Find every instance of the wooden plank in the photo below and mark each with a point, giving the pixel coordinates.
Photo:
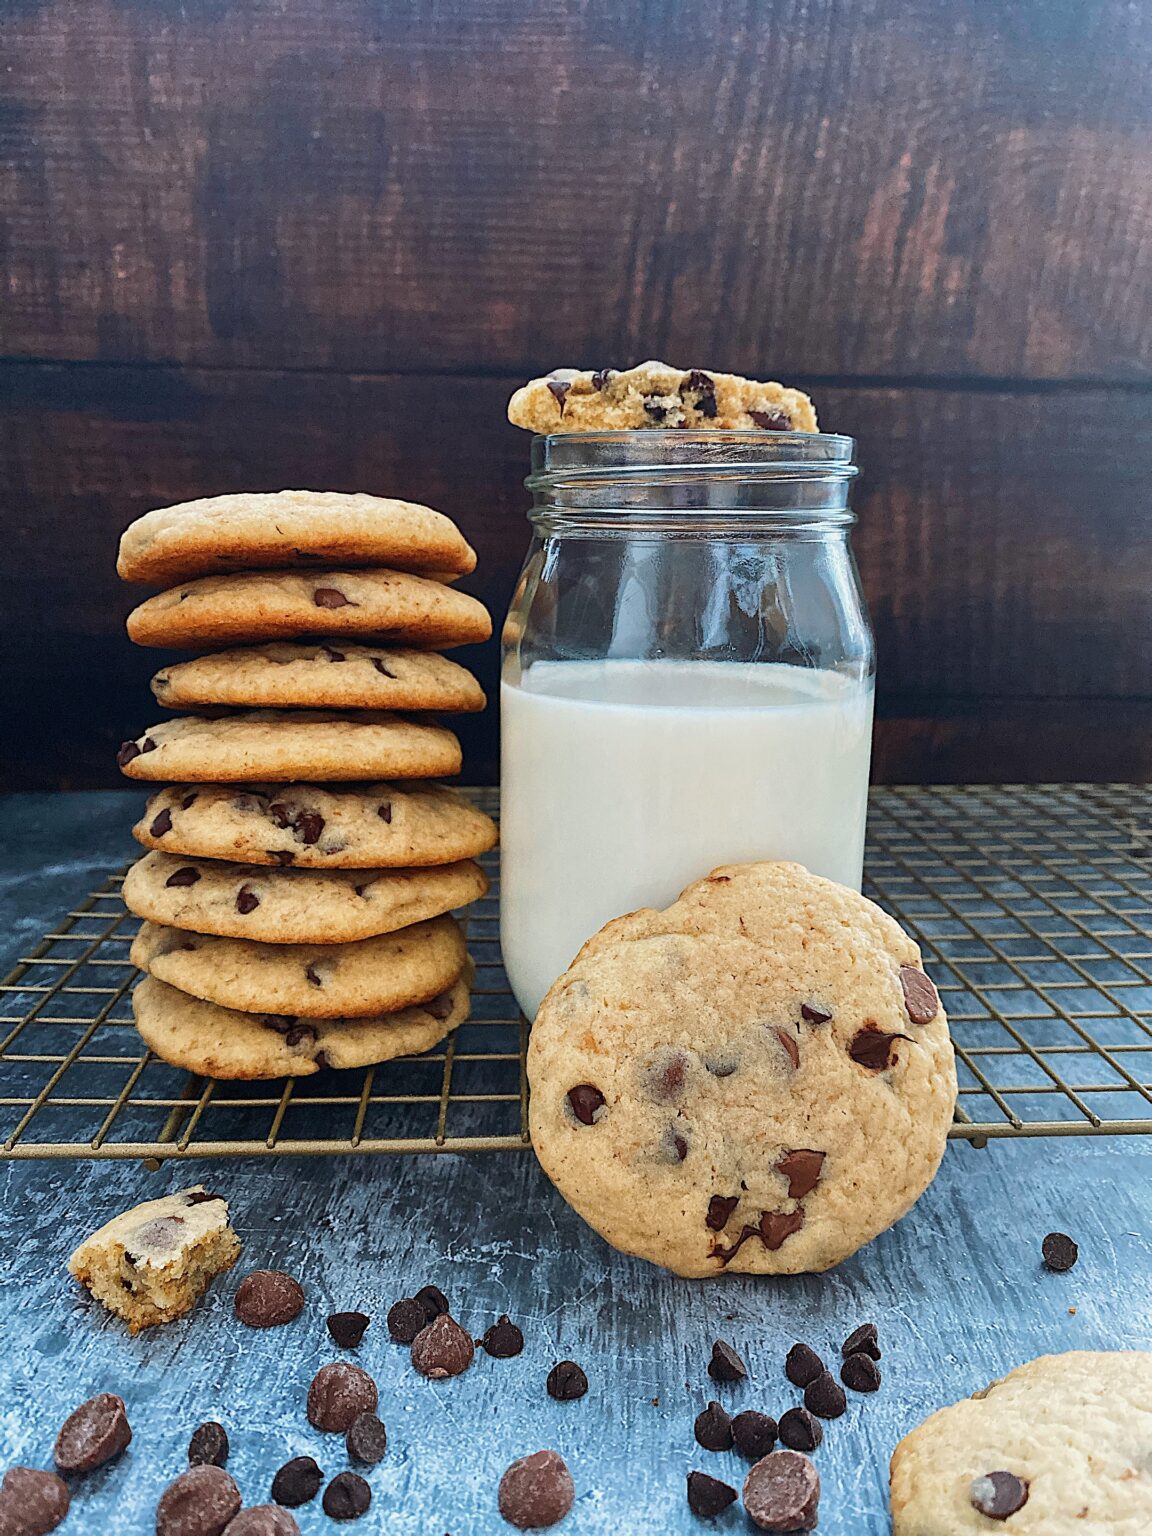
(882, 189)
(1003, 543)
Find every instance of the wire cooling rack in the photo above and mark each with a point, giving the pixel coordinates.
(1033, 905)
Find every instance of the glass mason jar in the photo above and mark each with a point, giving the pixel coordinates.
(687, 681)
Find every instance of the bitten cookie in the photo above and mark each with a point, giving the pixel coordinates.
(284, 744)
(271, 530)
(1058, 1447)
(317, 827)
(294, 906)
(759, 1078)
(655, 395)
(220, 1042)
(313, 981)
(287, 676)
(153, 1263)
(254, 606)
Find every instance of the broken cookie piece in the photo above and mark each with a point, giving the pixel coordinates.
(153, 1263)
(653, 395)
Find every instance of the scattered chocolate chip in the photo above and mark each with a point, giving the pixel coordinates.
(297, 1482)
(801, 1168)
(208, 1446)
(346, 1497)
(860, 1372)
(333, 655)
(586, 1101)
(861, 1341)
(825, 1397)
(799, 1431)
(782, 1493)
(162, 824)
(558, 389)
(997, 1495)
(339, 1393)
(180, 877)
(802, 1365)
(776, 1227)
(32, 1503)
(381, 668)
(772, 421)
(872, 1048)
(566, 1381)
(921, 1000)
(347, 1328)
(433, 1300)
(385, 812)
(601, 377)
(266, 1298)
(656, 407)
(367, 1439)
(503, 1339)
(200, 1502)
(405, 1319)
(246, 900)
(92, 1434)
(713, 1428)
(262, 1520)
(442, 1349)
(124, 755)
(720, 1208)
(788, 1040)
(536, 1491)
(812, 1015)
(708, 1496)
(331, 597)
(726, 1364)
(1059, 1251)
(754, 1433)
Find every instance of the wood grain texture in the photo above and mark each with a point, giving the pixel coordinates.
(883, 188)
(1003, 541)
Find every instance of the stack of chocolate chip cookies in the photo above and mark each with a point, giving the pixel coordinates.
(301, 866)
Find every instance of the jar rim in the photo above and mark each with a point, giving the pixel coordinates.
(570, 458)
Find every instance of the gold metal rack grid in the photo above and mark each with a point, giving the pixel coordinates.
(1033, 905)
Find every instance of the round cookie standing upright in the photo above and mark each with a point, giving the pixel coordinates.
(758, 1079)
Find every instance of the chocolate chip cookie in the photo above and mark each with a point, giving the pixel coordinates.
(1058, 1447)
(315, 826)
(285, 744)
(277, 529)
(251, 607)
(290, 906)
(655, 395)
(758, 1079)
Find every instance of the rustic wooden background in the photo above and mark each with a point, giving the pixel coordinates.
(267, 243)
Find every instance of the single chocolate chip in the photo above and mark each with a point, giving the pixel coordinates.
(124, 755)
(997, 1495)
(812, 1015)
(725, 1364)
(586, 1101)
(385, 812)
(347, 1328)
(162, 824)
(558, 389)
(322, 1061)
(679, 1146)
(788, 1040)
(310, 973)
(439, 1007)
(367, 1439)
(802, 1365)
(703, 385)
(782, 1493)
(921, 1001)
(333, 655)
(566, 1381)
(339, 1393)
(721, 1066)
(664, 1078)
(861, 1341)
(246, 900)
(208, 1446)
(381, 668)
(772, 421)
(754, 1433)
(720, 1208)
(799, 1431)
(32, 1503)
(200, 1502)
(299, 1033)
(297, 1482)
(308, 827)
(872, 1048)
(346, 1497)
(161, 1233)
(825, 1396)
(262, 1520)
(180, 877)
(189, 799)
(266, 1298)
(536, 1491)
(200, 1196)
(442, 1349)
(1059, 1251)
(433, 1300)
(777, 1226)
(601, 377)
(656, 407)
(860, 1372)
(713, 1428)
(331, 597)
(405, 1319)
(708, 1496)
(92, 1434)
(281, 855)
(801, 1168)
(503, 1339)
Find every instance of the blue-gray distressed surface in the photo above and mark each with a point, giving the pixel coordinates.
(956, 1289)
